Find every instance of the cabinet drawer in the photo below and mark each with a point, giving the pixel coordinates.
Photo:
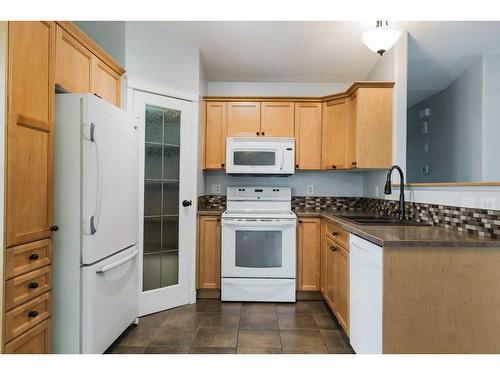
(25, 287)
(338, 234)
(25, 317)
(25, 258)
(35, 341)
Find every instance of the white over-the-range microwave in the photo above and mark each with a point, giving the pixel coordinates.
(260, 156)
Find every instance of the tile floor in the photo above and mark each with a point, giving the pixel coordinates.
(214, 327)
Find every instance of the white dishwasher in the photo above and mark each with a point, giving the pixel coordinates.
(365, 296)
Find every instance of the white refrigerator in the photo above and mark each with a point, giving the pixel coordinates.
(95, 266)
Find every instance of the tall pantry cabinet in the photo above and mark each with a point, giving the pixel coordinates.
(30, 95)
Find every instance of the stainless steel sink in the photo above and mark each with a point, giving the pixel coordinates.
(381, 220)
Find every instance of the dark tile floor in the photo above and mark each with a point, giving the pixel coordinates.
(214, 327)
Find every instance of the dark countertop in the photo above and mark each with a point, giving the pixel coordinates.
(396, 236)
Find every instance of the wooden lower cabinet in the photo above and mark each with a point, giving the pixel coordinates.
(34, 341)
(308, 254)
(335, 271)
(209, 249)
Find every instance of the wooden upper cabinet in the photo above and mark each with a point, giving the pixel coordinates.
(335, 136)
(277, 119)
(74, 63)
(371, 127)
(308, 135)
(215, 134)
(308, 254)
(29, 132)
(243, 119)
(82, 67)
(105, 82)
(209, 243)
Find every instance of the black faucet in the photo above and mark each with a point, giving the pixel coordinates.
(388, 190)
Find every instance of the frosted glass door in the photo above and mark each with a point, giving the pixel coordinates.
(166, 223)
(161, 197)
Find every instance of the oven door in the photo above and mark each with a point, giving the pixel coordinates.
(258, 248)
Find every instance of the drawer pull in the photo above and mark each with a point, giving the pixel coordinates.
(34, 256)
(33, 314)
(33, 285)
(335, 234)
(333, 248)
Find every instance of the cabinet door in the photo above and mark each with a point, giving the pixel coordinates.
(308, 262)
(35, 341)
(105, 82)
(215, 134)
(277, 119)
(373, 127)
(209, 252)
(335, 153)
(308, 135)
(331, 272)
(29, 131)
(353, 131)
(323, 263)
(343, 288)
(73, 63)
(243, 119)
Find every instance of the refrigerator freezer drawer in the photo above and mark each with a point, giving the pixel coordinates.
(109, 305)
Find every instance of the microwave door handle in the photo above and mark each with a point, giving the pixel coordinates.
(282, 158)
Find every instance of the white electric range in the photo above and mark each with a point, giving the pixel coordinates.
(258, 245)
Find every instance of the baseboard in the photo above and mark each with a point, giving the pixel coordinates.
(300, 295)
(309, 295)
(192, 296)
(208, 293)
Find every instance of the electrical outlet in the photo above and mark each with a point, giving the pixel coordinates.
(310, 189)
(488, 203)
(215, 188)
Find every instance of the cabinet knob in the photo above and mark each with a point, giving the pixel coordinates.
(333, 248)
(300, 221)
(335, 234)
(54, 228)
(34, 256)
(33, 314)
(334, 166)
(223, 165)
(263, 133)
(296, 165)
(33, 285)
(218, 219)
(258, 133)
(353, 163)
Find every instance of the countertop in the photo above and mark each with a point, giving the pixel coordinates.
(392, 236)
(386, 235)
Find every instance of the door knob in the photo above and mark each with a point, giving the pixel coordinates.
(186, 203)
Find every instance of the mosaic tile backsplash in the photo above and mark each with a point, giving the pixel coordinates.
(476, 221)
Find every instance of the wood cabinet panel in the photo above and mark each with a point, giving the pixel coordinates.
(339, 235)
(29, 132)
(331, 268)
(335, 135)
(73, 63)
(308, 254)
(25, 287)
(343, 288)
(215, 134)
(308, 135)
(243, 119)
(277, 119)
(371, 128)
(209, 243)
(105, 82)
(26, 316)
(25, 258)
(34, 341)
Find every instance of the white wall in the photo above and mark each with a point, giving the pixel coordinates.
(276, 88)
(491, 118)
(454, 132)
(203, 89)
(325, 183)
(109, 35)
(153, 54)
(454, 196)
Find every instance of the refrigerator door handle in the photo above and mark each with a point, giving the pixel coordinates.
(94, 219)
(109, 267)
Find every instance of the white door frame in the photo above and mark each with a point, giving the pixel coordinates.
(138, 87)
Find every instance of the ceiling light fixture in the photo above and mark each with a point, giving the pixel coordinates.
(381, 38)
